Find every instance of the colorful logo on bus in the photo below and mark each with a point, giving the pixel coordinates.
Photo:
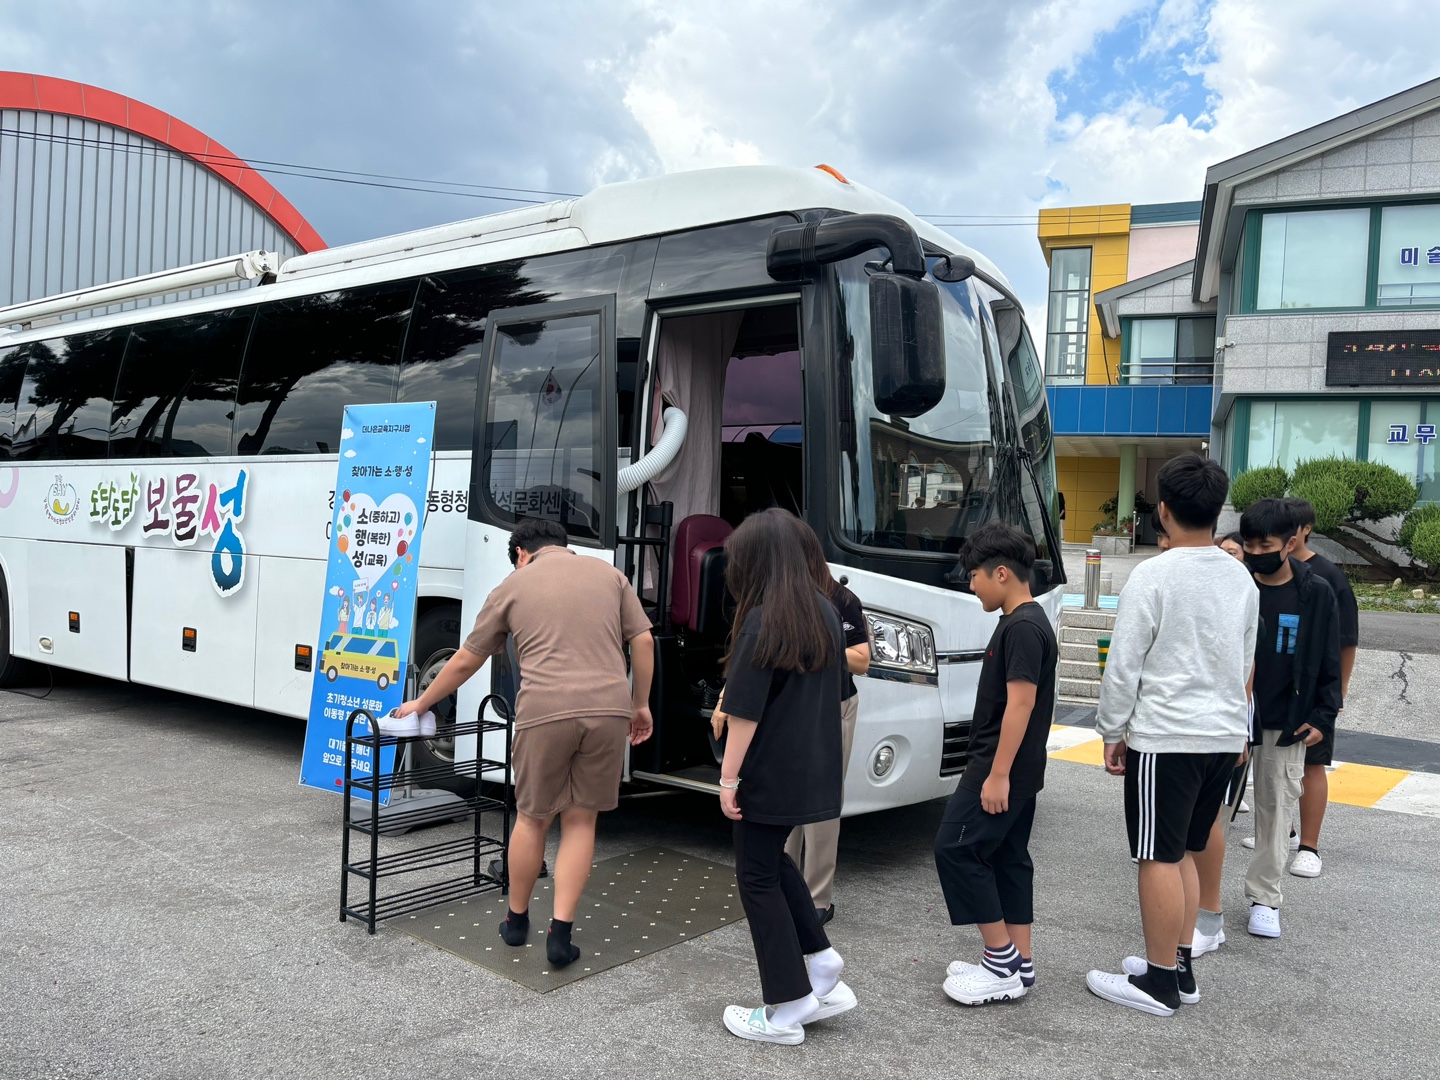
(185, 507)
(61, 502)
(9, 486)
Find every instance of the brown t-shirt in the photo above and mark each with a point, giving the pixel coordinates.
(571, 616)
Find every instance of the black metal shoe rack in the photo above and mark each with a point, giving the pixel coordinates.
(477, 849)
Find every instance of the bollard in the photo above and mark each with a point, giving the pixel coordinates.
(1102, 646)
(1092, 580)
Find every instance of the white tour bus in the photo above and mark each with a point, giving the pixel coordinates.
(646, 365)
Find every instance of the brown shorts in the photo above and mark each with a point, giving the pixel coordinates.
(572, 762)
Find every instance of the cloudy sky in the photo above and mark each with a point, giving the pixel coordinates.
(988, 108)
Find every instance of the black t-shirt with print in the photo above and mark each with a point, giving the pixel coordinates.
(1275, 653)
(1022, 649)
(852, 624)
(793, 773)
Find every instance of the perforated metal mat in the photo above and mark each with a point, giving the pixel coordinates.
(634, 905)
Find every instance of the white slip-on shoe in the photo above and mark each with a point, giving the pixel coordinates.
(1138, 965)
(1244, 807)
(1203, 943)
(1264, 921)
(959, 967)
(840, 1000)
(1249, 842)
(755, 1025)
(390, 724)
(1306, 864)
(1119, 989)
(978, 985)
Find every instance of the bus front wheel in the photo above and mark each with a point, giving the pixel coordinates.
(437, 637)
(13, 670)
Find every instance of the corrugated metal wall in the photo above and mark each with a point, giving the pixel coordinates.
(83, 203)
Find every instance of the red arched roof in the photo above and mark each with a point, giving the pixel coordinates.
(45, 94)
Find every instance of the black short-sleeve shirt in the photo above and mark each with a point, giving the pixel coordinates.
(852, 624)
(1346, 605)
(793, 773)
(1022, 649)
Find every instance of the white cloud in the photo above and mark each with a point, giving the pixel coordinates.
(346, 433)
(349, 453)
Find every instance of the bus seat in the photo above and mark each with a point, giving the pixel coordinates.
(695, 537)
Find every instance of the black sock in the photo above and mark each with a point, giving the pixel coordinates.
(1184, 973)
(1161, 984)
(557, 944)
(1307, 847)
(516, 927)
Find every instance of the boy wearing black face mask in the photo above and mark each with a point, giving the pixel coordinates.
(1297, 693)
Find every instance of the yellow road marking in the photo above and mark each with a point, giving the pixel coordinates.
(1086, 753)
(1362, 785)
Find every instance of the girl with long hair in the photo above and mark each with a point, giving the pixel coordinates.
(814, 847)
(782, 768)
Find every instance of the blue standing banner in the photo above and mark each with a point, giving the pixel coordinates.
(368, 617)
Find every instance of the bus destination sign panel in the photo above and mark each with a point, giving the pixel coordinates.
(1383, 358)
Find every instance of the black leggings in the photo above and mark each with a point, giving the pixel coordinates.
(784, 924)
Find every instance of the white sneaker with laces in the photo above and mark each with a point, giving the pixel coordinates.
(1306, 864)
(1118, 988)
(1249, 842)
(840, 1000)
(1138, 965)
(390, 724)
(975, 984)
(1264, 921)
(755, 1025)
(1203, 943)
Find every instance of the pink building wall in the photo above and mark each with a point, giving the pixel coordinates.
(1158, 247)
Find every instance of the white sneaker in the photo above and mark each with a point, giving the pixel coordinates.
(1138, 965)
(1249, 842)
(975, 984)
(390, 724)
(427, 725)
(837, 1001)
(1264, 921)
(1119, 989)
(1203, 943)
(755, 1025)
(1306, 864)
(1244, 808)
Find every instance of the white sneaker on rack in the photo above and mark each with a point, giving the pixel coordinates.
(390, 724)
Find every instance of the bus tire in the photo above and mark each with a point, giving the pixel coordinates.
(437, 637)
(13, 670)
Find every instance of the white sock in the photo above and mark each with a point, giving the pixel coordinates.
(825, 968)
(794, 1013)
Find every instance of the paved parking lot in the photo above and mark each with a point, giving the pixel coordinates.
(168, 900)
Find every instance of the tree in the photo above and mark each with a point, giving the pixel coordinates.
(1351, 500)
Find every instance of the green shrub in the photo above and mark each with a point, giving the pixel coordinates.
(1331, 496)
(1376, 490)
(1252, 485)
(1413, 520)
(1425, 542)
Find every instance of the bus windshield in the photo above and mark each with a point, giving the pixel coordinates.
(920, 484)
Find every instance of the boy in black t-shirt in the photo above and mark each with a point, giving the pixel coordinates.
(981, 848)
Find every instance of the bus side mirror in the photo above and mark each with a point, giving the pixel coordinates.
(907, 344)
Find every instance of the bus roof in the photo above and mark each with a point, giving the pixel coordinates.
(609, 214)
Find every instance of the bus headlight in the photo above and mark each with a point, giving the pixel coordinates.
(883, 761)
(898, 645)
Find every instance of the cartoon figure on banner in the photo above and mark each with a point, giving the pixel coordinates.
(382, 620)
(342, 612)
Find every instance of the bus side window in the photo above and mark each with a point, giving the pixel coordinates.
(64, 406)
(176, 393)
(544, 441)
(310, 357)
(12, 374)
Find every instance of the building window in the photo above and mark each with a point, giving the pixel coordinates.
(1313, 259)
(1286, 433)
(1069, 317)
(1166, 352)
(1409, 264)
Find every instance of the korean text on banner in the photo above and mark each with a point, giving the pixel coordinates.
(369, 605)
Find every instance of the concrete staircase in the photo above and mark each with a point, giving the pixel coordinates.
(1079, 673)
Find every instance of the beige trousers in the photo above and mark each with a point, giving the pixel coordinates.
(1279, 773)
(813, 847)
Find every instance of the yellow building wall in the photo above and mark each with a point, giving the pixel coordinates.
(1086, 483)
(1106, 231)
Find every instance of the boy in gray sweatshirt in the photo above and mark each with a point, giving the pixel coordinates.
(1172, 714)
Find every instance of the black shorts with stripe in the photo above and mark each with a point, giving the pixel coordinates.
(1171, 801)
